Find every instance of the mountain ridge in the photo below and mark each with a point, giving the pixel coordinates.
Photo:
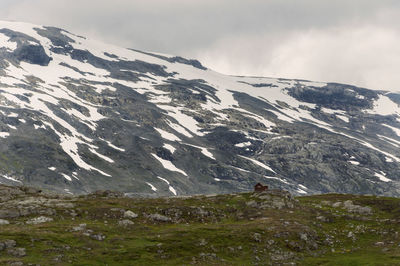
(80, 115)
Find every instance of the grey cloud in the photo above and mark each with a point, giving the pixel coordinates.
(310, 39)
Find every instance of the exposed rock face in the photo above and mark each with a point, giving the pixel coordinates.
(351, 207)
(77, 116)
(33, 54)
(276, 199)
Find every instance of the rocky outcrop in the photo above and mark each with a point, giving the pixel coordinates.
(276, 199)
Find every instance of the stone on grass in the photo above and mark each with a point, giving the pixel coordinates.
(17, 252)
(130, 215)
(125, 223)
(40, 220)
(98, 237)
(4, 222)
(159, 218)
(9, 243)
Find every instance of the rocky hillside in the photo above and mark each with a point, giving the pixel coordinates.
(78, 115)
(268, 228)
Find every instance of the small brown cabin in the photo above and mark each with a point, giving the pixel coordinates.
(260, 188)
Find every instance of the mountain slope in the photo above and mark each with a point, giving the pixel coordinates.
(79, 115)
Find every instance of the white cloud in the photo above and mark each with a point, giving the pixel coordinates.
(363, 55)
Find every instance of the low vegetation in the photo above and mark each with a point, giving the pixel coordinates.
(268, 228)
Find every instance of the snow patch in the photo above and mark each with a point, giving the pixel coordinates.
(11, 179)
(67, 177)
(179, 129)
(183, 119)
(168, 165)
(204, 151)
(277, 178)
(4, 134)
(384, 106)
(258, 163)
(173, 191)
(105, 158)
(302, 186)
(243, 144)
(169, 147)
(301, 191)
(395, 129)
(6, 43)
(113, 146)
(388, 160)
(151, 186)
(382, 177)
(166, 135)
(344, 118)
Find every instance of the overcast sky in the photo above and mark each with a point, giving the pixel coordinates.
(348, 41)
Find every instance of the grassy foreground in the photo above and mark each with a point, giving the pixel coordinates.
(270, 228)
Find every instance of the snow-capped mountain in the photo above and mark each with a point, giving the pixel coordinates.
(79, 115)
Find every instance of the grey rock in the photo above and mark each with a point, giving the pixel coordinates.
(278, 203)
(303, 236)
(326, 202)
(348, 204)
(256, 237)
(39, 220)
(264, 197)
(159, 218)
(4, 222)
(9, 243)
(64, 205)
(337, 204)
(203, 242)
(351, 207)
(130, 215)
(117, 210)
(16, 263)
(17, 252)
(9, 213)
(78, 228)
(125, 223)
(252, 204)
(108, 194)
(98, 237)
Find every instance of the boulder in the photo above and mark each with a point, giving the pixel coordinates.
(125, 223)
(130, 215)
(159, 218)
(4, 222)
(9, 243)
